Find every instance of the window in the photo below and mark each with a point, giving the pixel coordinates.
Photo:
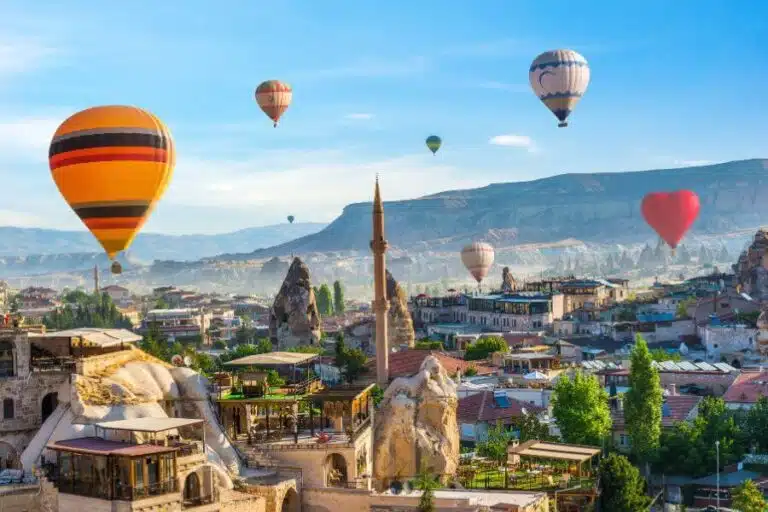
(624, 440)
(8, 409)
(7, 366)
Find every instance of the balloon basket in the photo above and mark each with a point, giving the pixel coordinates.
(116, 268)
(562, 125)
(274, 125)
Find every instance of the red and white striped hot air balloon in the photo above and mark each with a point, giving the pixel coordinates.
(274, 97)
(478, 258)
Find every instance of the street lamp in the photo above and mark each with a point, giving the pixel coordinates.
(717, 451)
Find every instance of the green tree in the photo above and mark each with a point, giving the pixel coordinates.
(264, 346)
(747, 497)
(643, 402)
(219, 344)
(274, 379)
(484, 347)
(427, 484)
(756, 426)
(86, 310)
(580, 407)
(377, 394)
(161, 304)
(338, 298)
(621, 486)
(306, 349)
(324, 301)
(532, 429)
(494, 446)
(354, 364)
(471, 371)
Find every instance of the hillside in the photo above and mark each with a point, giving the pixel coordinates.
(598, 208)
(20, 244)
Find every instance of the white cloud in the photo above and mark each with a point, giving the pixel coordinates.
(19, 219)
(26, 138)
(514, 141)
(359, 116)
(693, 163)
(310, 184)
(22, 56)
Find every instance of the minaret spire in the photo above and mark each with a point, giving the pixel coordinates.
(380, 303)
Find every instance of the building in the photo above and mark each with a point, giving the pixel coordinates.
(734, 342)
(224, 326)
(479, 412)
(176, 324)
(707, 378)
(520, 311)
(747, 389)
(119, 295)
(407, 362)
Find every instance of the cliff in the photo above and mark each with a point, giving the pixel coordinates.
(751, 269)
(589, 207)
(294, 319)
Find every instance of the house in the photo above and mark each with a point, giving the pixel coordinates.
(479, 412)
(118, 294)
(675, 409)
(407, 362)
(747, 389)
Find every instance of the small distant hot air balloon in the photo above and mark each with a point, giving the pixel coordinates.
(478, 258)
(559, 78)
(291, 218)
(671, 214)
(112, 164)
(433, 143)
(274, 98)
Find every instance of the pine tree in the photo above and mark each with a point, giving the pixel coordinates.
(643, 402)
(324, 301)
(338, 298)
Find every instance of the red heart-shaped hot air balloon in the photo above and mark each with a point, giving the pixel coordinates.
(671, 213)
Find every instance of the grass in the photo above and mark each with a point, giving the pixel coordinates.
(494, 479)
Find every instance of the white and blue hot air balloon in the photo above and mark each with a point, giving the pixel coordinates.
(559, 78)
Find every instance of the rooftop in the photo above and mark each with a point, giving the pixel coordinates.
(149, 424)
(688, 366)
(482, 407)
(273, 359)
(748, 387)
(676, 408)
(97, 336)
(407, 362)
(572, 452)
(99, 446)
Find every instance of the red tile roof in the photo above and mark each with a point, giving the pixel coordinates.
(677, 409)
(407, 362)
(747, 388)
(481, 407)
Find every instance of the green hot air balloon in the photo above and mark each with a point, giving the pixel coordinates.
(291, 218)
(433, 143)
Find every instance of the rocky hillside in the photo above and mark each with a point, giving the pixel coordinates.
(21, 243)
(589, 207)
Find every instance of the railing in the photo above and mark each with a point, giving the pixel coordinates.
(131, 493)
(187, 449)
(53, 364)
(199, 501)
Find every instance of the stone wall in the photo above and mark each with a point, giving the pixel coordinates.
(335, 500)
(29, 498)
(28, 394)
(280, 497)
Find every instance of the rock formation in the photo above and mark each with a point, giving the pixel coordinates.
(400, 321)
(294, 319)
(508, 283)
(416, 427)
(752, 267)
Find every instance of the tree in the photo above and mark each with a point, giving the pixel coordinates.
(274, 379)
(161, 304)
(747, 497)
(580, 407)
(495, 445)
(427, 483)
(621, 486)
(219, 344)
(643, 402)
(338, 298)
(484, 347)
(264, 346)
(756, 425)
(659, 355)
(532, 429)
(87, 310)
(354, 364)
(324, 301)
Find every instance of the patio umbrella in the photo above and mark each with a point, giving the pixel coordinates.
(537, 375)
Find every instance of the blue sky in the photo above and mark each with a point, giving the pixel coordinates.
(674, 83)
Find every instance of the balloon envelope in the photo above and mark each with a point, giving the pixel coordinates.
(274, 97)
(478, 258)
(433, 143)
(112, 164)
(291, 218)
(671, 214)
(559, 78)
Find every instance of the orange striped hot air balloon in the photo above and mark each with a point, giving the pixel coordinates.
(112, 164)
(274, 97)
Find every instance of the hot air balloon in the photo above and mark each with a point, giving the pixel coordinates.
(291, 218)
(478, 258)
(112, 164)
(559, 78)
(433, 143)
(671, 214)
(274, 97)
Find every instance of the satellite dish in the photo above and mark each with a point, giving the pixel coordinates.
(187, 361)
(177, 360)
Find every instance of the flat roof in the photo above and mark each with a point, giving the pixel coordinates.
(341, 392)
(99, 446)
(96, 336)
(149, 424)
(272, 359)
(559, 451)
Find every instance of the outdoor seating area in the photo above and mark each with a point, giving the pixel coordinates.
(272, 375)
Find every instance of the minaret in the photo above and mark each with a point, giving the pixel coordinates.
(96, 279)
(380, 302)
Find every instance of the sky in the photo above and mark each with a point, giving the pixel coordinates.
(674, 84)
